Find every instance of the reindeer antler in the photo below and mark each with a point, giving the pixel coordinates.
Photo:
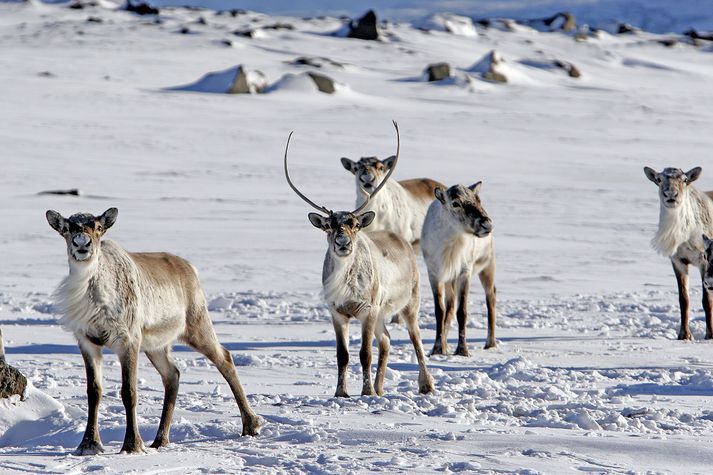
(386, 178)
(294, 188)
(368, 197)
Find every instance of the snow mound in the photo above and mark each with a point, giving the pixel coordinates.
(235, 80)
(38, 420)
(494, 68)
(307, 83)
(450, 23)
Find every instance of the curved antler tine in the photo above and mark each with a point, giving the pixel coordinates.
(294, 188)
(388, 175)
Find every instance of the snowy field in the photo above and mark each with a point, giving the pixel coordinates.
(588, 375)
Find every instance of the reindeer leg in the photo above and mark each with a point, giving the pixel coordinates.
(707, 307)
(91, 443)
(487, 280)
(410, 316)
(129, 360)
(384, 341)
(162, 361)
(463, 286)
(440, 345)
(341, 329)
(367, 336)
(680, 269)
(201, 336)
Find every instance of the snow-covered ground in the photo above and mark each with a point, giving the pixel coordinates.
(588, 375)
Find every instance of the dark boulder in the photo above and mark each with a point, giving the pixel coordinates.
(364, 28)
(324, 83)
(12, 382)
(438, 71)
(140, 8)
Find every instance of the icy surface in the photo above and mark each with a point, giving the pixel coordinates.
(588, 375)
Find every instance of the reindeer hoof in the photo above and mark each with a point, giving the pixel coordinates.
(368, 392)
(462, 351)
(341, 393)
(425, 385)
(133, 447)
(252, 427)
(438, 350)
(685, 335)
(709, 336)
(158, 443)
(490, 344)
(90, 447)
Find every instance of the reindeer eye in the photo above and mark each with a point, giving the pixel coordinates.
(455, 204)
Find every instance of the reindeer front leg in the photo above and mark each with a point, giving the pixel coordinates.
(440, 345)
(463, 286)
(129, 359)
(91, 443)
(367, 337)
(487, 279)
(707, 307)
(680, 269)
(341, 329)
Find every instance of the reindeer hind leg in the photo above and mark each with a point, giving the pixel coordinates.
(162, 361)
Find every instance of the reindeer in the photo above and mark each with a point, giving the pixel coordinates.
(367, 276)
(456, 241)
(401, 205)
(132, 302)
(684, 215)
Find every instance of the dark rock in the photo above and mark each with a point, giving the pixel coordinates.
(278, 26)
(316, 62)
(324, 84)
(484, 22)
(12, 382)
(184, 30)
(364, 28)
(247, 84)
(249, 33)
(668, 42)
(438, 71)
(45, 74)
(487, 67)
(562, 21)
(69, 192)
(626, 29)
(140, 8)
(201, 21)
(570, 68)
(693, 34)
(94, 19)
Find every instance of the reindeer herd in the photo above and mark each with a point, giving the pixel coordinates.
(144, 302)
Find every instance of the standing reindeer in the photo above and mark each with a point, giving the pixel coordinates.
(400, 206)
(367, 277)
(684, 215)
(132, 302)
(456, 241)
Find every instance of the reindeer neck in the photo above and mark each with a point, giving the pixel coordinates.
(348, 281)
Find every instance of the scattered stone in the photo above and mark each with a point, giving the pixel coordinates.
(364, 28)
(438, 71)
(562, 21)
(626, 29)
(201, 21)
(324, 84)
(45, 74)
(140, 8)
(249, 33)
(226, 42)
(454, 24)
(488, 67)
(668, 42)
(94, 19)
(694, 35)
(248, 82)
(316, 62)
(184, 30)
(69, 192)
(278, 26)
(570, 68)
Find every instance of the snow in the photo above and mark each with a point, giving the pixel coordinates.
(587, 376)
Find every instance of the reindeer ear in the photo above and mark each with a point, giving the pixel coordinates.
(365, 219)
(707, 241)
(389, 162)
(56, 221)
(476, 187)
(318, 221)
(693, 174)
(440, 194)
(350, 165)
(652, 175)
(108, 218)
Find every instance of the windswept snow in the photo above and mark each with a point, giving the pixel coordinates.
(588, 375)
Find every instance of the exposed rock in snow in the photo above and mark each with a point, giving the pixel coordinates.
(364, 28)
(562, 21)
(306, 82)
(571, 70)
(317, 62)
(437, 71)
(448, 22)
(490, 67)
(140, 8)
(236, 80)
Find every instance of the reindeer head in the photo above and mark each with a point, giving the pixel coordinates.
(82, 231)
(369, 171)
(463, 203)
(342, 226)
(672, 183)
(708, 275)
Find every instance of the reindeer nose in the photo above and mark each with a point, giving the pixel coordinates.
(81, 240)
(670, 194)
(487, 225)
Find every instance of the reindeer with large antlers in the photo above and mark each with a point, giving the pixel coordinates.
(368, 277)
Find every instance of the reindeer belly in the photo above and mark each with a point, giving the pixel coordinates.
(162, 326)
